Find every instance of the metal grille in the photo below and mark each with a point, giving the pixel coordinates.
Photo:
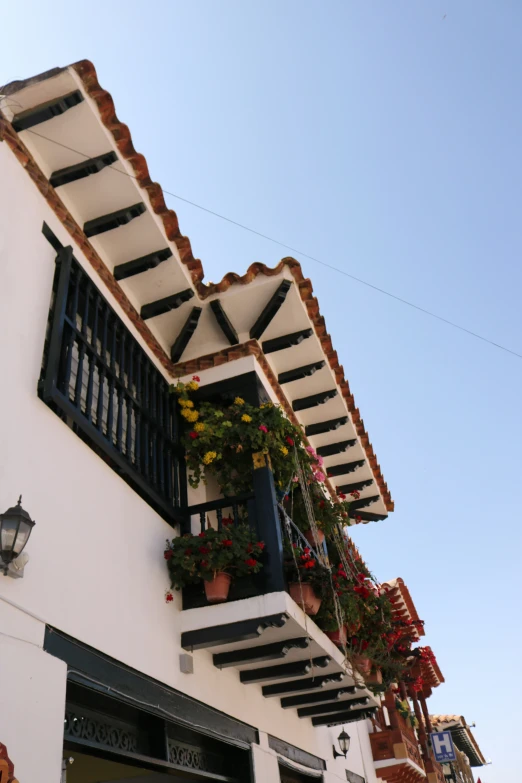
(102, 382)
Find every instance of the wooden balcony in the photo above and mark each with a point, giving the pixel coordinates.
(434, 771)
(397, 757)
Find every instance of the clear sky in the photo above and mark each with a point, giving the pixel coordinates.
(383, 137)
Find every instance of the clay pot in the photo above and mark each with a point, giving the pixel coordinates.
(217, 589)
(304, 596)
(338, 637)
(363, 665)
(309, 535)
(374, 678)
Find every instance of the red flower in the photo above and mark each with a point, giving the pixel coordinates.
(169, 597)
(341, 496)
(355, 494)
(309, 564)
(289, 440)
(203, 564)
(227, 542)
(251, 562)
(358, 518)
(361, 578)
(167, 554)
(307, 550)
(321, 504)
(364, 645)
(188, 551)
(263, 428)
(202, 535)
(193, 435)
(260, 544)
(196, 378)
(204, 550)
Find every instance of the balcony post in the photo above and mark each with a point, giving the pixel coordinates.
(423, 740)
(268, 523)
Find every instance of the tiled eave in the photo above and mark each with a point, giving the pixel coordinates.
(404, 608)
(115, 247)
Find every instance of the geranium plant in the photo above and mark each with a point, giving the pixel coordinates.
(233, 550)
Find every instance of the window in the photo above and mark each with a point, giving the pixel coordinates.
(100, 381)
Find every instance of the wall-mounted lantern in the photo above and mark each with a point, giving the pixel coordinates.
(344, 745)
(15, 529)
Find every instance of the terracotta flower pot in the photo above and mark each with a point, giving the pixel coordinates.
(304, 596)
(309, 535)
(217, 589)
(338, 637)
(363, 665)
(374, 678)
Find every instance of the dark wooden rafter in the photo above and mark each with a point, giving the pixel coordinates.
(46, 111)
(367, 516)
(314, 698)
(165, 305)
(183, 338)
(300, 372)
(113, 220)
(270, 310)
(284, 670)
(344, 468)
(325, 426)
(335, 706)
(224, 322)
(356, 505)
(142, 264)
(83, 169)
(343, 717)
(357, 486)
(265, 652)
(303, 403)
(306, 684)
(336, 448)
(286, 341)
(230, 633)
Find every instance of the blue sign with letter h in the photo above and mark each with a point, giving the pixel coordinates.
(442, 745)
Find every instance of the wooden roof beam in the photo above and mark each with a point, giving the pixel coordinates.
(142, 264)
(46, 111)
(113, 220)
(335, 706)
(270, 310)
(82, 170)
(306, 684)
(344, 468)
(285, 670)
(303, 403)
(224, 322)
(286, 341)
(306, 371)
(325, 426)
(183, 338)
(313, 698)
(165, 305)
(336, 448)
(264, 652)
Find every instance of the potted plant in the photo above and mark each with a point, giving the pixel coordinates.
(214, 557)
(306, 578)
(331, 621)
(220, 439)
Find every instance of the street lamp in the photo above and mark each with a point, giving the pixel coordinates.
(15, 529)
(344, 744)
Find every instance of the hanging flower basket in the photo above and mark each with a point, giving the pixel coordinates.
(338, 637)
(314, 542)
(216, 589)
(304, 595)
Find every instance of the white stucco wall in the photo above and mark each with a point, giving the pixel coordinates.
(96, 570)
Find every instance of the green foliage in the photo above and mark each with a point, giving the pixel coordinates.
(233, 550)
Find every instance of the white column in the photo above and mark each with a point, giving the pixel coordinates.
(32, 698)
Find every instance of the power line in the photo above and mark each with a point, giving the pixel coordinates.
(303, 254)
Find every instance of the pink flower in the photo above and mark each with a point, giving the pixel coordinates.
(319, 476)
(320, 461)
(263, 428)
(311, 451)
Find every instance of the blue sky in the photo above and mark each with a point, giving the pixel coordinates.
(384, 139)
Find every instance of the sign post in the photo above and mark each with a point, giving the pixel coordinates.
(442, 745)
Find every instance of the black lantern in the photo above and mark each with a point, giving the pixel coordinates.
(15, 529)
(344, 744)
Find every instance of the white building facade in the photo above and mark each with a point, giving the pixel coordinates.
(94, 664)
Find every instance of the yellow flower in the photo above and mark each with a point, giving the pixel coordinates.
(192, 386)
(186, 403)
(209, 457)
(284, 451)
(190, 415)
(199, 427)
(239, 401)
(246, 417)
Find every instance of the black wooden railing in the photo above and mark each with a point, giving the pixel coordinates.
(240, 506)
(99, 379)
